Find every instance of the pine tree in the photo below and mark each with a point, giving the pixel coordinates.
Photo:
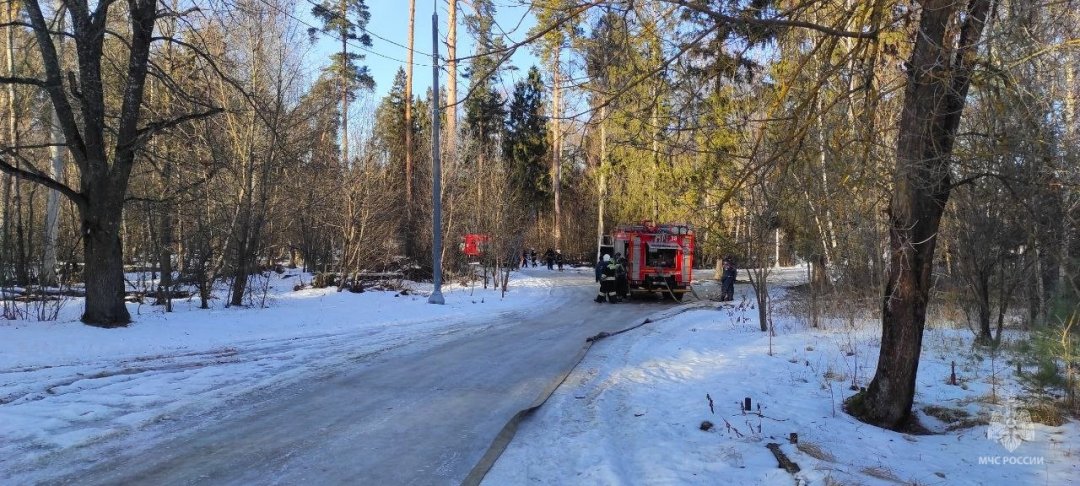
(525, 146)
(557, 14)
(484, 110)
(347, 21)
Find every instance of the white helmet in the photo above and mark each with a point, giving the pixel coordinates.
(607, 258)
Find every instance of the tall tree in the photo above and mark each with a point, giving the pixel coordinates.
(484, 111)
(56, 171)
(409, 123)
(552, 21)
(603, 53)
(13, 140)
(525, 146)
(101, 140)
(939, 75)
(451, 141)
(252, 134)
(346, 21)
(388, 148)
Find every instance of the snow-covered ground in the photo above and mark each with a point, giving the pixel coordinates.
(632, 411)
(629, 414)
(64, 385)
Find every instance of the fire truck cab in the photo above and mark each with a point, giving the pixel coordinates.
(474, 245)
(659, 257)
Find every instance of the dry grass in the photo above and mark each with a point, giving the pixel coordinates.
(946, 414)
(955, 418)
(881, 473)
(815, 451)
(833, 375)
(1046, 413)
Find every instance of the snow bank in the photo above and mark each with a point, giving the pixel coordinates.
(632, 412)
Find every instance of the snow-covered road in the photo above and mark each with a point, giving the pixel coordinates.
(419, 409)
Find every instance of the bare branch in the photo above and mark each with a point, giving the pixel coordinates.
(975, 177)
(38, 177)
(54, 84)
(152, 128)
(20, 80)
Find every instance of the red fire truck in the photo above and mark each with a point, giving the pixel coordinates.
(473, 245)
(659, 257)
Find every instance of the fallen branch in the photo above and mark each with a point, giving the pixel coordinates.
(782, 459)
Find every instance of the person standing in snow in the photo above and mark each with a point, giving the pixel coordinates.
(524, 258)
(559, 259)
(613, 270)
(607, 281)
(727, 280)
(549, 256)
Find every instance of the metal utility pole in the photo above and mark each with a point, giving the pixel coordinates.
(436, 169)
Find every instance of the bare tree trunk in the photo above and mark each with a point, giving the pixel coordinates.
(164, 296)
(104, 272)
(777, 240)
(52, 204)
(602, 182)
(982, 297)
(556, 145)
(1040, 285)
(939, 75)
(655, 121)
(828, 235)
(409, 124)
(345, 98)
(759, 279)
(165, 240)
(451, 87)
(19, 258)
(1069, 119)
(9, 182)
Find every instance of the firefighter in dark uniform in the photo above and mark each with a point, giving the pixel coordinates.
(607, 281)
(727, 281)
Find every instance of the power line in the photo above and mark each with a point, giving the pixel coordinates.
(384, 39)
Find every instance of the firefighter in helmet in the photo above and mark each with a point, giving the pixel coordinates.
(622, 286)
(607, 281)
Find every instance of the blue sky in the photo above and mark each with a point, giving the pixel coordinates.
(389, 27)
